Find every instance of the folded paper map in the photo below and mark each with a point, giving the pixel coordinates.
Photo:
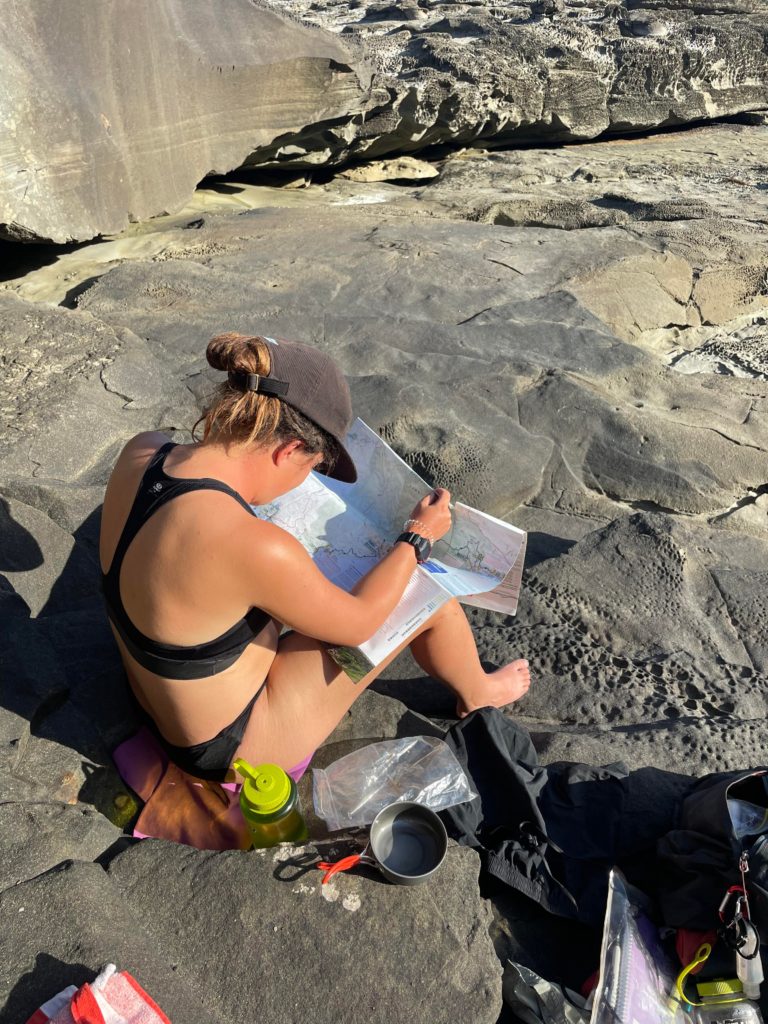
(348, 528)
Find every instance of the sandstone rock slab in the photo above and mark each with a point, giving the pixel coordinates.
(50, 353)
(543, 71)
(641, 438)
(67, 924)
(638, 646)
(690, 748)
(488, 355)
(93, 142)
(338, 81)
(427, 946)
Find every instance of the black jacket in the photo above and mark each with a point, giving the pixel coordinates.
(550, 832)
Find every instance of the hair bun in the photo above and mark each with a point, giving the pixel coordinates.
(242, 353)
(229, 351)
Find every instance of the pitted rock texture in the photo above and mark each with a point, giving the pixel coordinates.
(543, 70)
(747, 357)
(189, 89)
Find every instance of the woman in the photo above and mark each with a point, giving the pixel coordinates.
(184, 558)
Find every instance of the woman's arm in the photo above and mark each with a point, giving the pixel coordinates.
(293, 590)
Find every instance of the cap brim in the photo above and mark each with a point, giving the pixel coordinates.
(344, 469)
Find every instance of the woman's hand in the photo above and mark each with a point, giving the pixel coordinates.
(431, 518)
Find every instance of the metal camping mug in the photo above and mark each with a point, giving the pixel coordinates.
(407, 844)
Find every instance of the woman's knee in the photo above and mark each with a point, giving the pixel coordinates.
(448, 610)
(445, 613)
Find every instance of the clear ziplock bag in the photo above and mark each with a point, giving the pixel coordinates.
(351, 791)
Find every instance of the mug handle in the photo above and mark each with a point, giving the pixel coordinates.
(341, 865)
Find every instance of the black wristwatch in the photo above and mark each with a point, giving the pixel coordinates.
(421, 545)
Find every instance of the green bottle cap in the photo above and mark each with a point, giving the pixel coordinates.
(266, 788)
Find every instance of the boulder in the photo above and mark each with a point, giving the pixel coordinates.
(96, 142)
(115, 118)
(402, 168)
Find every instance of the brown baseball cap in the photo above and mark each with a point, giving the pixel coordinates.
(311, 382)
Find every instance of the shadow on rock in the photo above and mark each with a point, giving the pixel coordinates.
(65, 699)
(71, 296)
(19, 551)
(294, 866)
(48, 977)
(19, 258)
(78, 583)
(542, 546)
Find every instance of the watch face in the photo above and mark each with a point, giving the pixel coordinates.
(424, 549)
(420, 544)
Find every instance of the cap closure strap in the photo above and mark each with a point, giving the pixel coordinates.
(255, 382)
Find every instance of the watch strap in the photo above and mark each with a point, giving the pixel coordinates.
(420, 544)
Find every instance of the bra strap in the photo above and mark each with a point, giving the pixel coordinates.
(157, 488)
(141, 509)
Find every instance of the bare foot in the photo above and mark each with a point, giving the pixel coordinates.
(503, 686)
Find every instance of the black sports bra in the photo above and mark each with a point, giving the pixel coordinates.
(170, 660)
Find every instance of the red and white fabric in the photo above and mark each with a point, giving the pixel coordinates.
(113, 998)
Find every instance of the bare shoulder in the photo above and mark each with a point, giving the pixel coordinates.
(269, 550)
(142, 445)
(121, 488)
(271, 543)
(136, 453)
(260, 553)
(131, 463)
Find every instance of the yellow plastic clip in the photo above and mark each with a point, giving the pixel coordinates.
(702, 955)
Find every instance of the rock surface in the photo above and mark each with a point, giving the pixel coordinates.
(572, 338)
(265, 936)
(402, 168)
(543, 70)
(310, 83)
(115, 118)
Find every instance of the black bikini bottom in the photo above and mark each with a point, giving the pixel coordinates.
(213, 758)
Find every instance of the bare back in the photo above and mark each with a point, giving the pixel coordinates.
(183, 581)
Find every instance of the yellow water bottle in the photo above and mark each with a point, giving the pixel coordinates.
(269, 801)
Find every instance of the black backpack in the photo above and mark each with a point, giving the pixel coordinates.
(721, 844)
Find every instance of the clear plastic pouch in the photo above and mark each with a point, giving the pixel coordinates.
(351, 791)
(738, 1013)
(637, 977)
